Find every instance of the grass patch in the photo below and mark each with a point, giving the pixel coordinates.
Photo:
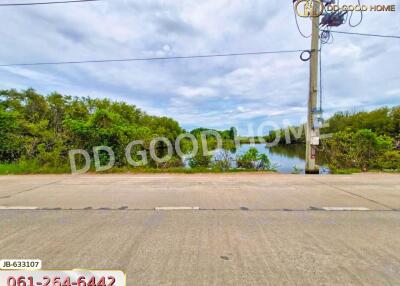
(350, 171)
(27, 167)
(32, 167)
(347, 171)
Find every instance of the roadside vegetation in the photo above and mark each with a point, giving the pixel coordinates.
(37, 132)
(361, 141)
(362, 150)
(225, 161)
(365, 140)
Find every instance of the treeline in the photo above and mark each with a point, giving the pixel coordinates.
(225, 134)
(382, 121)
(42, 130)
(364, 140)
(38, 131)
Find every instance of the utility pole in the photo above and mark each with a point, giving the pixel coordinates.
(312, 130)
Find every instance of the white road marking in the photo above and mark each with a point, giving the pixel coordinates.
(345, 209)
(125, 178)
(17, 208)
(176, 208)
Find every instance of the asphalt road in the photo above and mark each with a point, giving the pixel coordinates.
(242, 229)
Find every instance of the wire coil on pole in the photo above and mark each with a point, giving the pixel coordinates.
(302, 56)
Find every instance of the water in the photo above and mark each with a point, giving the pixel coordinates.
(283, 161)
(284, 158)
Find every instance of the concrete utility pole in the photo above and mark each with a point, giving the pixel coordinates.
(312, 131)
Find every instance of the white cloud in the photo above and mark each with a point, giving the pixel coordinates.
(393, 92)
(218, 92)
(196, 92)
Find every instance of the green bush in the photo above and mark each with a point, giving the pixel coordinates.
(362, 149)
(389, 160)
(200, 161)
(174, 162)
(252, 159)
(43, 129)
(223, 161)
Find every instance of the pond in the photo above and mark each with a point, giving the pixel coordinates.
(284, 158)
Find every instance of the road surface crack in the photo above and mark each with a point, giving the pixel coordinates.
(356, 195)
(28, 190)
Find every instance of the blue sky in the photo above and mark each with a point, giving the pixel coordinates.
(359, 73)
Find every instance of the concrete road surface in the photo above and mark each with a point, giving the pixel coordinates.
(233, 229)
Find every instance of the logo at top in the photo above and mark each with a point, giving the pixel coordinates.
(309, 8)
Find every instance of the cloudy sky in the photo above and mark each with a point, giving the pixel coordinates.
(358, 72)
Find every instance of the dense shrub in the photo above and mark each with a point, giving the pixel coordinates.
(223, 161)
(382, 121)
(389, 160)
(252, 159)
(362, 149)
(174, 162)
(45, 128)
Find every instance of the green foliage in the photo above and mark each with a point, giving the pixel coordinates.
(252, 159)
(362, 149)
(200, 160)
(382, 121)
(263, 162)
(174, 162)
(43, 129)
(361, 140)
(232, 133)
(254, 140)
(223, 161)
(347, 171)
(389, 160)
(36, 133)
(248, 159)
(297, 170)
(9, 131)
(225, 134)
(31, 167)
(364, 140)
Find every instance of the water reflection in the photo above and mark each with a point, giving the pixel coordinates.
(286, 158)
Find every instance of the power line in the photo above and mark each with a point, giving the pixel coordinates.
(364, 34)
(153, 58)
(46, 3)
(361, 17)
(297, 23)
